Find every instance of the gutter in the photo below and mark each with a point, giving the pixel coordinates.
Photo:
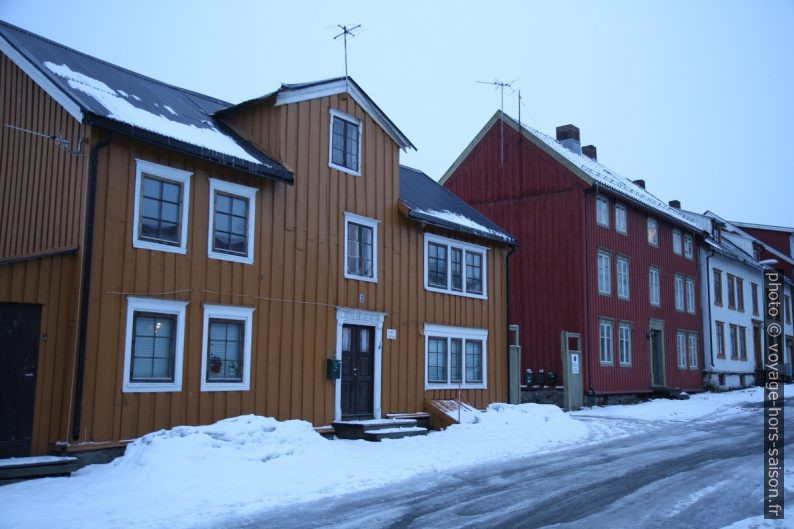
(708, 300)
(85, 283)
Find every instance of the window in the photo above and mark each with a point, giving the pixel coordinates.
(361, 248)
(161, 207)
(605, 341)
(742, 343)
(740, 294)
(455, 356)
(690, 295)
(678, 283)
(602, 211)
(720, 339)
(653, 232)
(226, 348)
(680, 342)
(731, 292)
(232, 218)
(754, 293)
(693, 350)
(717, 287)
(624, 343)
(653, 286)
(623, 277)
(677, 242)
(621, 219)
(734, 342)
(787, 308)
(454, 267)
(153, 345)
(604, 273)
(345, 144)
(688, 249)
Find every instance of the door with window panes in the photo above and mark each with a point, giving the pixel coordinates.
(358, 362)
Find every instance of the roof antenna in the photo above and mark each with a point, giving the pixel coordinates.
(346, 30)
(500, 85)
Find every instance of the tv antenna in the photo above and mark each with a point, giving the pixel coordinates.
(501, 85)
(347, 31)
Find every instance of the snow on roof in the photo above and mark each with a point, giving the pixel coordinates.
(461, 220)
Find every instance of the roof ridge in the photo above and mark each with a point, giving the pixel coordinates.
(112, 65)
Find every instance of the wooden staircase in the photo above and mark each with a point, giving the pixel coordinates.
(22, 468)
(377, 429)
(445, 412)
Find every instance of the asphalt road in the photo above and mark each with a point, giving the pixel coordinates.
(699, 474)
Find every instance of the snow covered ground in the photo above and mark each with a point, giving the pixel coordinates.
(190, 475)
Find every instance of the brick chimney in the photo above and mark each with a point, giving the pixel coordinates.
(590, 152)
(568, 135)
(640, 183)
(675, 204)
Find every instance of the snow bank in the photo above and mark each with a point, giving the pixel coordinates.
(187, 475)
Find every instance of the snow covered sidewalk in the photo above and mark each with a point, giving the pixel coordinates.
(191, 475)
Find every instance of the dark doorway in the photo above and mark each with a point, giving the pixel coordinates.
(19, 354)
(759, 352)
(657, 358)
(358, 360)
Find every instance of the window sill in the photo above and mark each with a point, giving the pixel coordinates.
(220, 256)
(159, 247)
(434, 386)
(343, 169)
(151, 387)
(455, 293)
(224, 386)
(361, 278)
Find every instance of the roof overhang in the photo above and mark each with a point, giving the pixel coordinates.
(415, 216)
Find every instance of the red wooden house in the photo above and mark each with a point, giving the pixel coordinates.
(600, 258)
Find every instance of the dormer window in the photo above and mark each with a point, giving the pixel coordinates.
(345, 143)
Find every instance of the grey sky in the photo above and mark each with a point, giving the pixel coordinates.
(694, 97)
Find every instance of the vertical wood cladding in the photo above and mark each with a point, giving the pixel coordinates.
(295, 283)
(41, 185)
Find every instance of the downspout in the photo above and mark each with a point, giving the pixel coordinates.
(708, 301)
(85, 286)
(507, 330)
(587, 329)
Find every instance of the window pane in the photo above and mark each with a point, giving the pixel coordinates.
(456, 359)
(225, 351)
(474, 272)
(160, 207)
(473, 361)
(437, 360)
(437, 265)
(456, 258)
(171, 192)
(152, 348)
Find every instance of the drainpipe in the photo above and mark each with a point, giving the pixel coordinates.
(88, 250)
(590, 391)
(507, 301)
(708, 301)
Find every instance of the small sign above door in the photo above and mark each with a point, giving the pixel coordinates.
(391, 334)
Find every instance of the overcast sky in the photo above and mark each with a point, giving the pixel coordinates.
(697, 98)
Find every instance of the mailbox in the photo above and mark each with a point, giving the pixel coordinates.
(333, 369)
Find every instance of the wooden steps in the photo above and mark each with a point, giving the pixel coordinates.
(377, 429)
(22, 468)
(445, 412)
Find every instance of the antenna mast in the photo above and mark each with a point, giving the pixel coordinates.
(501, 86)
(346, 30)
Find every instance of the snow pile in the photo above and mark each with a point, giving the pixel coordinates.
(120, 109)
(461, 220)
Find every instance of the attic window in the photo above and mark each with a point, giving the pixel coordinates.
(345, 143)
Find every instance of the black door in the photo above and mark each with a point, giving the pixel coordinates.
(358, 343)
(657, 358)
(19, 355)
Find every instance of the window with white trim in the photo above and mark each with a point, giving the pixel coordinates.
(226, 348)
(681, 348)
(624, 343)
(621, 219)
(232, 221)
(361, 248)
(720, 330)
(154, 345)
(688, 252)
(653, 286)
(623, 277)
(693, 350)
(606, 355)
(604, 273)
(653, 232)
(602, 211)
(455, 357)
(690, 295)
(678, 283)
(677, 244)
(742, 343)
(454, 267)
(160, 210)
(345, 143)
(734, 335)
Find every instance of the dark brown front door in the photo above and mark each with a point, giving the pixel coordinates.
(357, 371)
(19, 354)
(657, 358)
(759, 353)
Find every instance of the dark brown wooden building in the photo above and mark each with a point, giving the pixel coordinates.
(168, 258)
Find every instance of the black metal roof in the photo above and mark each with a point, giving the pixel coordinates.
(431, 203)
(135, 105)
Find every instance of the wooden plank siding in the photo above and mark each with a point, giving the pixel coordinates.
(295, 284)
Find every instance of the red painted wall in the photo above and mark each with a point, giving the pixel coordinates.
(779, 241)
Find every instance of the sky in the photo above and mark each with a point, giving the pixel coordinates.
(693, 97)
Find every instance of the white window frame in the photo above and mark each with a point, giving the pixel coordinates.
(350, 119)
(681, 347)
(689, 247)
(242, 191)
(463, 333)
(621, 227)
(692, 346)
(678, 286)
(602, 211)
(165, 173)
(606, 357)
(604, 268)
(464, 246)
(624, 360)
(678, 242)
(157, 306)
(370, 223)
(655, 223)
(625, 280)
(656, 289)
(227, 312)
(690, 295)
